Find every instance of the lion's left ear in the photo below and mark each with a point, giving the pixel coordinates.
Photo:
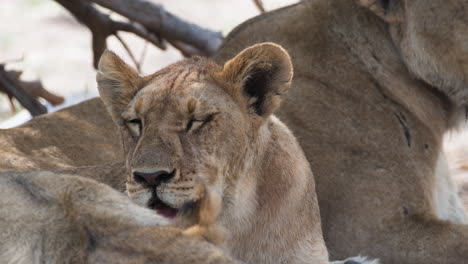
(259, 75)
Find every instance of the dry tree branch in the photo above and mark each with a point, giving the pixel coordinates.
(140, 31)
(34, 88)
(157, 20)
(186, 49)
(102, 26)
(13, 87)
(259, 5)
(145, 19)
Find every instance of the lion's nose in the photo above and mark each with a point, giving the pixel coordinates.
(153, 179)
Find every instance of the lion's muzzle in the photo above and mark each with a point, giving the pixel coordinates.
(153, 178)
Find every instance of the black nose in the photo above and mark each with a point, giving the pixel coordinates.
(153, 179)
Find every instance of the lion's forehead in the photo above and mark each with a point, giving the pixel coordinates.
(153, 98)
(180, 81)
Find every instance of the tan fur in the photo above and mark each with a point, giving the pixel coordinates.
(375, 89)
(67, 138)
(57, 218)
(208, 213)
(202, 120)
(250, 197)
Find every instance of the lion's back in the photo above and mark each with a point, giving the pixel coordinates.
(81, 135)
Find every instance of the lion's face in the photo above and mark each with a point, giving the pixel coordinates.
(179, 127)
(432, 36)
(192, 120)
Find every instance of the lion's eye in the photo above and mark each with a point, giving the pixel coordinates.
(198, 123)
(193, 124)
(135, 126)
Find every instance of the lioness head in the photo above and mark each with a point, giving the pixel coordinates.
(191, 119)
(432, 36)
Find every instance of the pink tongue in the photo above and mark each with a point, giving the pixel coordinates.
(167, 212)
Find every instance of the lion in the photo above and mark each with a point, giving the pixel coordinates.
(196, 116)
(58, 218)
(64, 139)
(377, 84)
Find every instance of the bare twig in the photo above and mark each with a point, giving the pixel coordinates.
(143, 53)
(259, 5)
(157, 20)
(129, 51)
(140, 31)
(12, 104)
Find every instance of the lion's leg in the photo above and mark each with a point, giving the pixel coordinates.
(422, 240)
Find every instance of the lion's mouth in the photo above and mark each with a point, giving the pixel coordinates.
(161, 208)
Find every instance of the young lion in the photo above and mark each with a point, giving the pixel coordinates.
(197, 116)
(58, 218)
(378, 84)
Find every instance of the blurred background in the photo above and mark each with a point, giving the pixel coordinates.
(44, 41)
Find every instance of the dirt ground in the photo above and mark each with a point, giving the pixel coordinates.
(52, 46)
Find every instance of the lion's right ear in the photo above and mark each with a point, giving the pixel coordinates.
(117, 82)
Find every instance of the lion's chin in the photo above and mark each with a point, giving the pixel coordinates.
(162, 209)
